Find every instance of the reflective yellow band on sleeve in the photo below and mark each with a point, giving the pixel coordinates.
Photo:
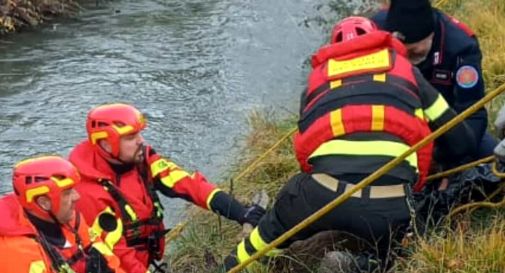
(337, 126)
(437, 108)
(211, 196)
(365, 148)
(37, 267)
(161, 165)
(258, 243)
(242, 254)
(173, 177)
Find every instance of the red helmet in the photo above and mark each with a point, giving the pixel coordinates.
(47, 175)
(111, 121)
(350, 28)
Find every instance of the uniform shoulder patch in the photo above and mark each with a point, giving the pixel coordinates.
(467, 76)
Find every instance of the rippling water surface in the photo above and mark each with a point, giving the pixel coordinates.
(196, 68)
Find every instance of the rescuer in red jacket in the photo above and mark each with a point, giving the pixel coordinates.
(40, 231)
(365, 104)
(121, 176)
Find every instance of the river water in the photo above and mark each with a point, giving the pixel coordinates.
(197, 68)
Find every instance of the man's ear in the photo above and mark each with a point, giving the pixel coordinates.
(44, 202)
(105, 145)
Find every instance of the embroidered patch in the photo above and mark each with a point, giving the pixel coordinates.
(467, 76)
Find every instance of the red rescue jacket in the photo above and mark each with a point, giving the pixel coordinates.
(371, 65)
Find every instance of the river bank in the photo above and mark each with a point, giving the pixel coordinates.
(18, 14)
(476, 245)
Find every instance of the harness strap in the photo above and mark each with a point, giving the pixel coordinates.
(57, 261)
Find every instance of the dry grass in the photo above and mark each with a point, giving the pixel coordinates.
(465, 249)
(208, 239)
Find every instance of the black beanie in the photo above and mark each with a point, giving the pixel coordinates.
(413, 19)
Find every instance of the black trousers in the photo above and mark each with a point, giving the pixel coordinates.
(377, 221)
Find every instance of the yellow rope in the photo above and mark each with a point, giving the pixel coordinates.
(172, 235)
(175, 232)
(473, 206)
(368, 180)
(496, 172)
(460, 168)
(478, 204)
(253, 165)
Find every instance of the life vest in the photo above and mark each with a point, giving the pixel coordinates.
(370, 66)
(32, 251)
(146, 234)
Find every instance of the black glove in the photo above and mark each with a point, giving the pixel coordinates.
(252, 215)
(232, 209)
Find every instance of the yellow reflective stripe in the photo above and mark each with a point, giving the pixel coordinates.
(377, 117)
(97, 136)
(371, 148)
(335, 84)
(258, 243)
(130, 212)
(377, 60)
(211, 196)
(124, 129)
(242, 254)
(102, 248)
(31, 193)
(112, 237)
(37, 267)
(173, 177)
(337, 126)
(437, 108)
(419, 113)
(161, 165)
(62, 183)
(379, 77)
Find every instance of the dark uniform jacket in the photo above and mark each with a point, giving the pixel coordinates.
(453, 66)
